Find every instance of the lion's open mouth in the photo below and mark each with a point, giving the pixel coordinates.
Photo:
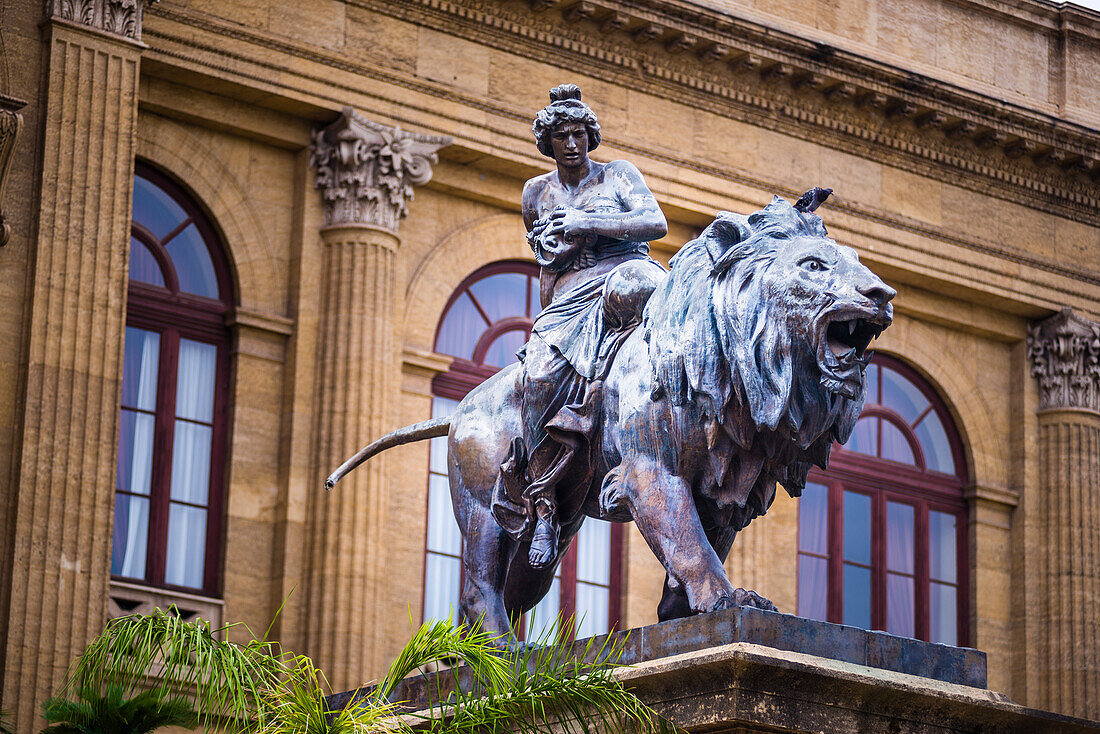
(849, 339)
(842, 354)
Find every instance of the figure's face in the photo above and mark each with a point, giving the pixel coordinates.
(569, 141)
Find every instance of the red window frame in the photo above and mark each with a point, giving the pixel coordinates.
(465, 374)
(174, 315)
(886, 481)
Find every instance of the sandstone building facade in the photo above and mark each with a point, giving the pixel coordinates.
(242, 239)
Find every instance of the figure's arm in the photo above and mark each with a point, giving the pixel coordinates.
(552, 251)
(640, 220)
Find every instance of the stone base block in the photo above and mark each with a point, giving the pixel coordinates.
(744, 670)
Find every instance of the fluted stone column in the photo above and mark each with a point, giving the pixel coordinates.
(366, 173)
(1065, 357)
(69, 421)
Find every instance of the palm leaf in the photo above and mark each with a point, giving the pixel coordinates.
(541, 686)
(164, 655)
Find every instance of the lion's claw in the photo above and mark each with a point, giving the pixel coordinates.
(749, 598)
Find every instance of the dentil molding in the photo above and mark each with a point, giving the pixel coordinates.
(366, 170)
(1065, 356)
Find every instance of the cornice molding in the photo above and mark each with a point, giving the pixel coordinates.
(754, 73)
(1065, 357)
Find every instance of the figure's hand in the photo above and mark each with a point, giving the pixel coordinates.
(567, 223)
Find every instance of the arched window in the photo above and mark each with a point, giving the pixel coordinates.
(172, 437)
(487, 319)
(882, 533)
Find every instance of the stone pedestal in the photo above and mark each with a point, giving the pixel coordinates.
(69, 419)
(744, 670)
(366, 172)
(1065, 672)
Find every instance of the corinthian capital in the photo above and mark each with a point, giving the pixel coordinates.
(1065, 355)
(366, 171)
(120, 17)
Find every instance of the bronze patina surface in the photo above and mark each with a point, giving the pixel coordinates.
(676, 401)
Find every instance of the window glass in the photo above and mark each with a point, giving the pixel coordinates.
(143, 266)
(934, 444)
(462, 326)
(130, 536)
(191, 462)
(813, 576)
(941, 546)
(154, 209)
(864, 438)
(857, 596)
(813, 519)
(186, 546)
(502, 295)
(895, 447)
(900, 605)
(502, 352)
(902, 395)
(857, 528)
(195, 384)
(943, 604)
(140, 361)
(194, 268)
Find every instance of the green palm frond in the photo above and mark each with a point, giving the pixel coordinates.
(542, 686)
(164, 655)
(298, 706)
(112, 712)
(5, 717)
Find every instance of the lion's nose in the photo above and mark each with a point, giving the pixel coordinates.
(877, 291)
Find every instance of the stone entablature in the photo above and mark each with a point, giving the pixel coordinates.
(120, 17)
(728, 63)
(366, 170)
(1065, 356)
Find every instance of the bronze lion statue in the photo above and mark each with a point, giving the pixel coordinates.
(747, 366)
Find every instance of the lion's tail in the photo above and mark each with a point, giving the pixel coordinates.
(417, 432)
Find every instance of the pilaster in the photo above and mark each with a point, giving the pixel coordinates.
(366, 172)
(1065, 357)
(64, 508)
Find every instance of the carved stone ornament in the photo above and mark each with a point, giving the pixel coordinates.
(1065, 355)
(11, 123)
(120, 17)
(366, 171)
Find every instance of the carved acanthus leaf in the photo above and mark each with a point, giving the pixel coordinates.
(120, 17)
(11, 123)
(366, 171)
(1065, 357)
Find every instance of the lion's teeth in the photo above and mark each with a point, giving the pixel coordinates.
(851, 328)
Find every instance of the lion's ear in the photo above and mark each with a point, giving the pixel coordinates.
(727, 229)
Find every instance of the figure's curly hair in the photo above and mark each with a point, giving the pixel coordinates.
(565, 106)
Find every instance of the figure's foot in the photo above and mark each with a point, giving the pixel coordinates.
(544, 544)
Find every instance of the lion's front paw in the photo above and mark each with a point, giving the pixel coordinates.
(749, 598)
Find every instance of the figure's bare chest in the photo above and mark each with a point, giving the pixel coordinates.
(598, 194)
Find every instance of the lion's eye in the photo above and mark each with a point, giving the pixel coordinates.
(813, 264)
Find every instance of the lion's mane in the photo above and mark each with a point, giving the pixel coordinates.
(722, 353)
